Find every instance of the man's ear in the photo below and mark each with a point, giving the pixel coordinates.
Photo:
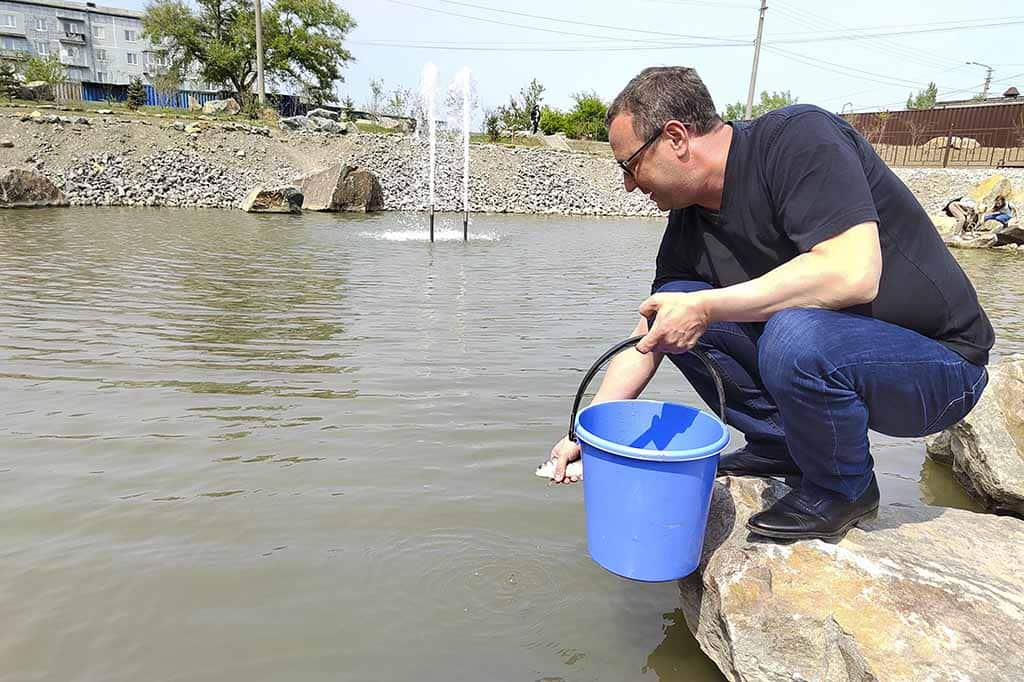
(679, 137)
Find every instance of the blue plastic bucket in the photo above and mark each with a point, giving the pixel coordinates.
(649, 468)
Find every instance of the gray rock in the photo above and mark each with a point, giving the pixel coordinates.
(341, 188)
(25, 189)
(36, 91)
(221, 106)
(326, 125)
(104, 112)
(285, 199)
(324, 113)
(6, 144)
(986, 448)
(918, 594)
(294, 123)
(971, 240)
(1012, 233)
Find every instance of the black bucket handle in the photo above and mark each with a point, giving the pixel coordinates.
(623, 345)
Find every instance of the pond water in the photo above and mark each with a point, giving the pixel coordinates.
(241, 447)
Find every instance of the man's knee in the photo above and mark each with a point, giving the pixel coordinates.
(683, 286)
(795, 343)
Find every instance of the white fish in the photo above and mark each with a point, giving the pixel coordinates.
(547, 469)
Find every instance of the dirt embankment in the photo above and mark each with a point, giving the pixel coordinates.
(117, 159)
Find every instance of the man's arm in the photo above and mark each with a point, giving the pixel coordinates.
(627, 375)
(837, 273)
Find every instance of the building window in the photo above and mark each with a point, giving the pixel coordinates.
(101, 55)
(72, 27)
(9, 44)
(70, 53)
(42, 47)
(101, 77)
(99, 32)
(8, 20)
(41, 25)
(133, 58)
(131, 36)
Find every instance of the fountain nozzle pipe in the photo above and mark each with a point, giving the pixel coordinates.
(465, 226)
(431, 222)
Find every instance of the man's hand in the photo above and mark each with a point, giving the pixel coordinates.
(565, 451)
(680, 322)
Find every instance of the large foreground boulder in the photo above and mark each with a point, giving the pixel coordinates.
(918, 594)
(341, 188)
(24, 189)
(1012, 233)
(221, 106)
(986, 448)
(36, 91)
(286, 199)
(986, 191)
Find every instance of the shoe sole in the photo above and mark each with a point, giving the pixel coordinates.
(757, 474)
(803, 535)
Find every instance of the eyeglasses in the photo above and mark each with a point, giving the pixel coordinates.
(626, 165)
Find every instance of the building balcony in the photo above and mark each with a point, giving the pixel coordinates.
(69, 37)
(17, 55)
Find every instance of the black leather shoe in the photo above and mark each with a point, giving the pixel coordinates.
(746, 462)
(799, 516)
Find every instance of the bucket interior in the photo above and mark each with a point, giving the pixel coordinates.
(650, 429)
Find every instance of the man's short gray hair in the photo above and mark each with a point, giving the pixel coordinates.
(660, 94)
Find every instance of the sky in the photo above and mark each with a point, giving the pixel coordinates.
(824, 53)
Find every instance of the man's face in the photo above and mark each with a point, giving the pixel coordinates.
(655, 169)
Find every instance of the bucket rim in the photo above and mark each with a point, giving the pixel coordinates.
(631, 452)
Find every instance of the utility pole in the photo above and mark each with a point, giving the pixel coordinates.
(988, 78)
(757, 53)
(262, 93)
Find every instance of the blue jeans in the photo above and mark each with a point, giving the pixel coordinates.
(1004, 218)
(809, 383)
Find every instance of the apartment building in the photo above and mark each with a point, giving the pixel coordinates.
(95, 44)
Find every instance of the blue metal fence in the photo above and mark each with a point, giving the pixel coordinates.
(286, 105)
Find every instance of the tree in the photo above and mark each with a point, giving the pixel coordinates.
(586, 118)
(492, 124)
(302, 40)
(925, 99)
(516, 114)
(737, 111)
(400, 102)
(9, 82)
(552, 121)
(46, 69)
(883, 117)
(136, 93)
(376, 96)
(167, 83)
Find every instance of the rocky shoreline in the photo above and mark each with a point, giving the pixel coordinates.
(114, 160)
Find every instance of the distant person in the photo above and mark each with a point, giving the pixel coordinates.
(814, 280)
(1002, 210)
(535, 117)
(965, 210)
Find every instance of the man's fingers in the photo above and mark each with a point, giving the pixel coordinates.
(650, 306)
(650, 340)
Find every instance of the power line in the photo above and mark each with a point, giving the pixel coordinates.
(613, 48)
(844, 70)
(580, 23)
(879, 45)
(505, 23)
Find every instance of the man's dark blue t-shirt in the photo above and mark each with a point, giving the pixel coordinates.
(798, 176)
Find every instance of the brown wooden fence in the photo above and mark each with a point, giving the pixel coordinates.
(963, 136)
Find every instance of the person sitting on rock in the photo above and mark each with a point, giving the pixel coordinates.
(812, 278)
(965, 210)
(1002, 210)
